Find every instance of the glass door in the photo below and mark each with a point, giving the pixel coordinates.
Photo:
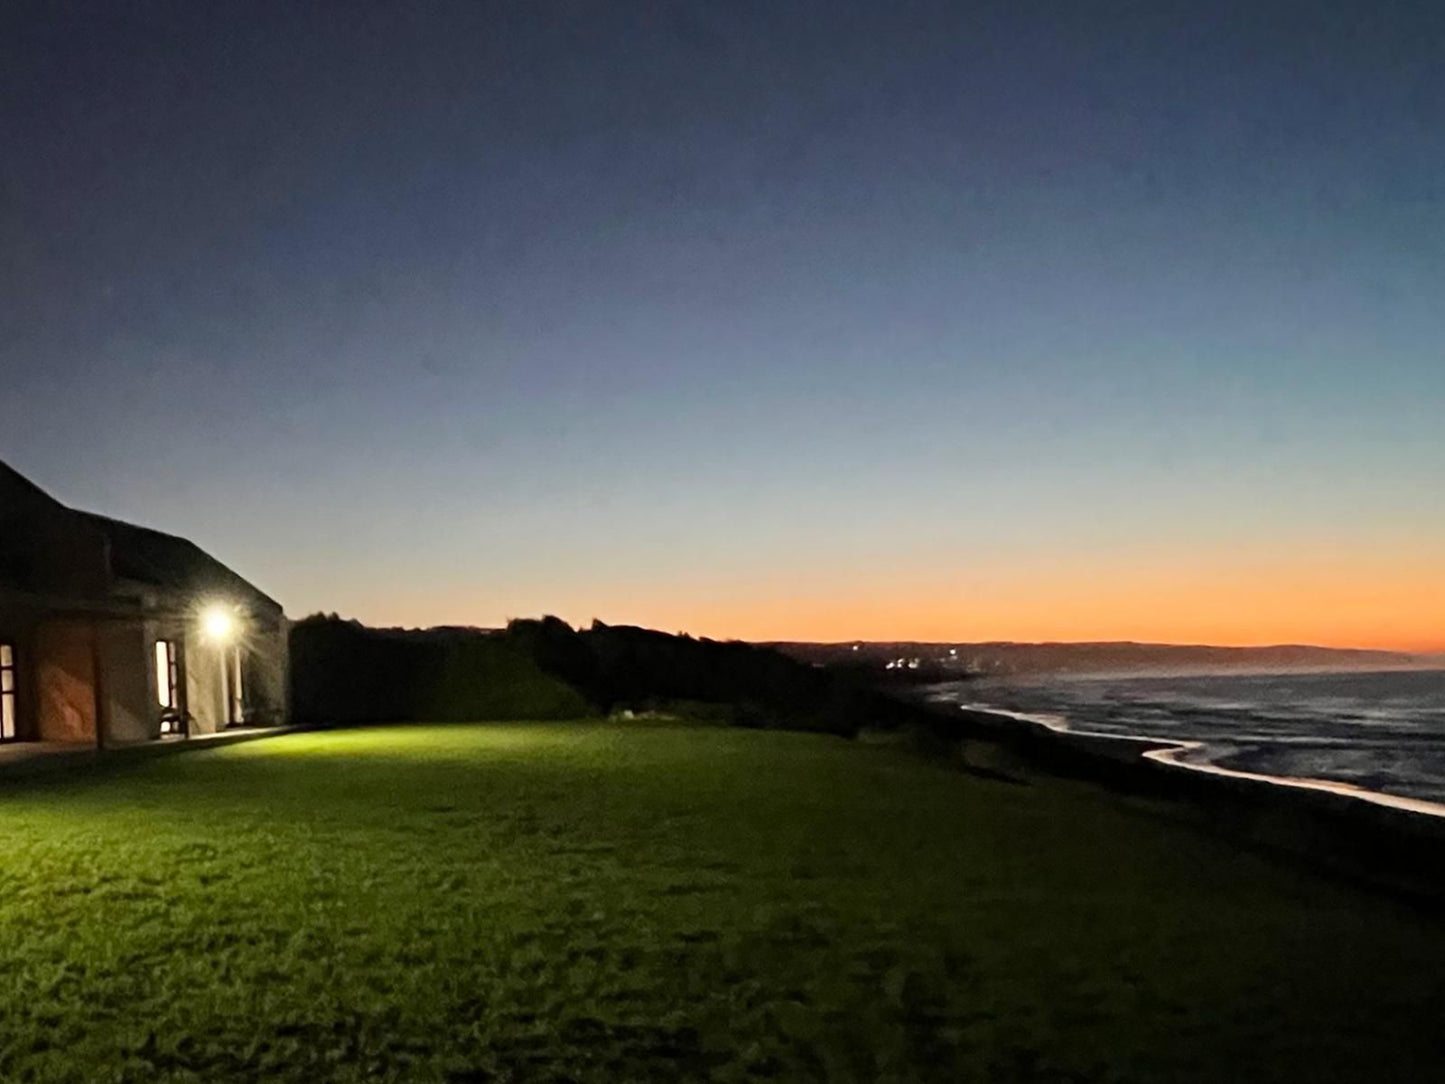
(168, 688)
(7, 692)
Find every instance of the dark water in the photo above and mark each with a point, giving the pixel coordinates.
(1382, 730)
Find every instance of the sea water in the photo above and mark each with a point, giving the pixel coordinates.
(1381, 731)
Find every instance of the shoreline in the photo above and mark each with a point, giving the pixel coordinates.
(1171, 751)
(1375, 840)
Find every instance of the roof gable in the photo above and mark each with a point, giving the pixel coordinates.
(44, 549)
(50, 549)
(167, 561)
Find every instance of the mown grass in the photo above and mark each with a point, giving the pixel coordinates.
(631, 902)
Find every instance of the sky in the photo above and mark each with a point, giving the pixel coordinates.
(779, 320)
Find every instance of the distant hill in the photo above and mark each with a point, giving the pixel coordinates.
(996, 658)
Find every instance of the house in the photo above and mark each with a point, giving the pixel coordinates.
(112, 633)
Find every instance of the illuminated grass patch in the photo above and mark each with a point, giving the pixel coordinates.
(600, 902)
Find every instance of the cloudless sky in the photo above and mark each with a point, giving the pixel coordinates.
(772, 320)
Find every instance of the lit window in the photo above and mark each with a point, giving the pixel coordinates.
(166, 674)
(7, 692)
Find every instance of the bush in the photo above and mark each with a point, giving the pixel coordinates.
(343, 672)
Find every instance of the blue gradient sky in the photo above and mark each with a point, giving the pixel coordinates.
(812, 320)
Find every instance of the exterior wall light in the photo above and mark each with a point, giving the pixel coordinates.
(219, 624)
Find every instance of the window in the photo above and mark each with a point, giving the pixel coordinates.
(7, 692)
(168, 687)
(166, 674)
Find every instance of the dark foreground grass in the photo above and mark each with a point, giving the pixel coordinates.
(599, 902)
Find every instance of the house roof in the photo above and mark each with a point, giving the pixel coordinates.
(50, 549)
(44, 549)
(167, 561)
(18, 482)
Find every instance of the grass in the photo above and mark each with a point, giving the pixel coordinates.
(628, 902)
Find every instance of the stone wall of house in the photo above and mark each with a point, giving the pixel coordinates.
(64, 682)
(132, 711)
(205, 685)
(207, 670)
(56, 679)
(267, 672)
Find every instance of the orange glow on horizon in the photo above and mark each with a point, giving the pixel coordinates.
(1328, 600)
(1226, 607)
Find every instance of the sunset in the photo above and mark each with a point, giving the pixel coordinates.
(1391, 601)
(612, 336)
(722, 540)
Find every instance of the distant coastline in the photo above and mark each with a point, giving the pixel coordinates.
(963, 659)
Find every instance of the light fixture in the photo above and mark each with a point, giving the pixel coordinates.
(219, 623)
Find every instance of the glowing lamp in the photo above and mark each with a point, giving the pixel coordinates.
(219, 624)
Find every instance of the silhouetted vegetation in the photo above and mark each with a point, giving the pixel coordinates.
(545, 669)
(624, 667)
(344, 672)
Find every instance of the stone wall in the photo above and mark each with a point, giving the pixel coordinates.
(64, 682)
(132, 710)
(205, 685)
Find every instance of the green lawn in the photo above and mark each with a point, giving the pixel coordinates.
(609, 902)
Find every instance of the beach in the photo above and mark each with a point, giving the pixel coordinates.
(1341, 769)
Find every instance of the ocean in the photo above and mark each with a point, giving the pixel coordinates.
(1379, 731)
